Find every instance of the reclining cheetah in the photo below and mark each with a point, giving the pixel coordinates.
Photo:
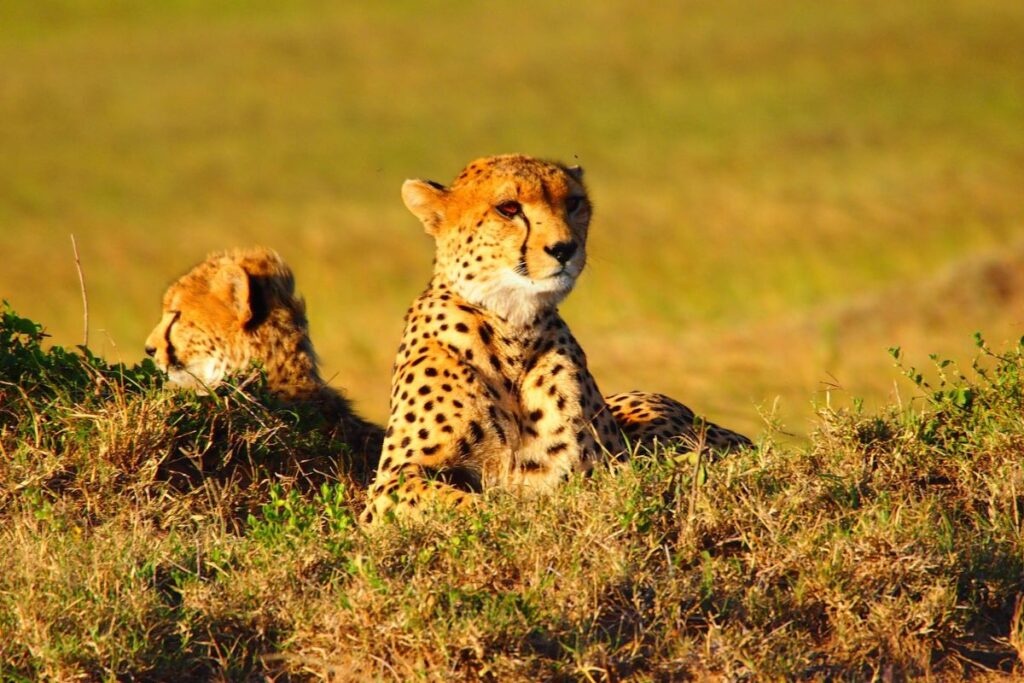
(489, 386)
(239, 307)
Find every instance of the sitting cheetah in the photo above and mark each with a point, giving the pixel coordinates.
(489, 386)
(237, 308)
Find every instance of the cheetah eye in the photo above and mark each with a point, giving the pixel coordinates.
(574, 204)
(509, 209)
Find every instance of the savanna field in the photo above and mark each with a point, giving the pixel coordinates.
(783, 193)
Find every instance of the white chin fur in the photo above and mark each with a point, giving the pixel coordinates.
(199, 376)
(515, 298)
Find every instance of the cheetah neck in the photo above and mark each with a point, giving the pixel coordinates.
(289, 361)
(515, 300)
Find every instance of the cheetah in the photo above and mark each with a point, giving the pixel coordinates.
(490, 388)
(237, 308)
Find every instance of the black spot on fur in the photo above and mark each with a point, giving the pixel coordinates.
(486, 333)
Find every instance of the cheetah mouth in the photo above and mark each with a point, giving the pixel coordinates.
(557, 283)
(555, 279)
(559, 279)
(178, 370)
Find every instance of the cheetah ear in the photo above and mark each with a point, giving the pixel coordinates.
(232, 286)
(426, 200)
(576, 172)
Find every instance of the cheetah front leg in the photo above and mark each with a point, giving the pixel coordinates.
(567, 426)
(408, 490)
(438, 439)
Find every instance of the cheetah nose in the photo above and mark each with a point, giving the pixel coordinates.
(562, 251)
(150, 351)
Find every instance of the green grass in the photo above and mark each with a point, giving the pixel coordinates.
(751, 163)
(156, 535)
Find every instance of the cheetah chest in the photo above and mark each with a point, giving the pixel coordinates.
(514, 406)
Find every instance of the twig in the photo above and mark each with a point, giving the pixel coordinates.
(691, 507)
(85, 296)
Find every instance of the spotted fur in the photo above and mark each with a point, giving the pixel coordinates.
(238, 308)
(650, 419)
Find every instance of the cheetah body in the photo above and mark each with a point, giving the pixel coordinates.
(490, 388)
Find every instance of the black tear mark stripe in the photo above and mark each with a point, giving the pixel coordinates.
(522, 249)
(172, 355)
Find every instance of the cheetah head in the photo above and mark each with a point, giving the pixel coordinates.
(214, 316)
(510, 232)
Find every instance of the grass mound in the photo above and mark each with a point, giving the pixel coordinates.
(152, 534)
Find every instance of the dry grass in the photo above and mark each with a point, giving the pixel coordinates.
(154, 535)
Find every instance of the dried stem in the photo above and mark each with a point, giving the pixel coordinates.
(85, 296)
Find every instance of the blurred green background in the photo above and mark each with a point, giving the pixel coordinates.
(783, 189)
